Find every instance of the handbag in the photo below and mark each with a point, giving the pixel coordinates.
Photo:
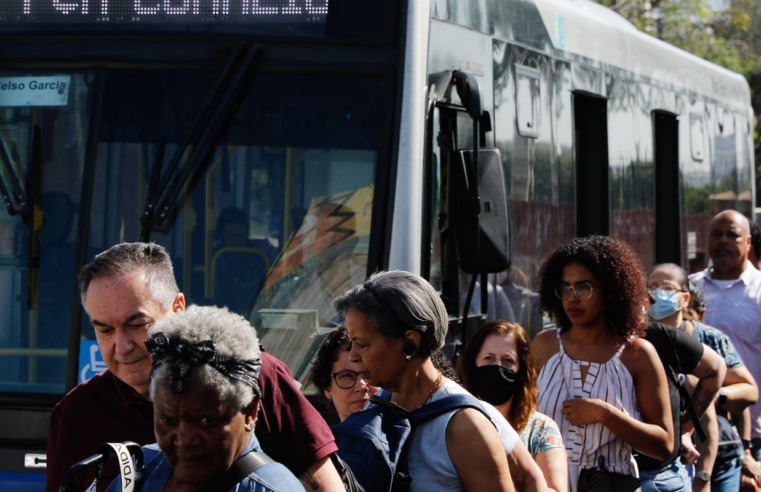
(601, 480)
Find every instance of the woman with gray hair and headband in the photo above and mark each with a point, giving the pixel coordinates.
(205, 392)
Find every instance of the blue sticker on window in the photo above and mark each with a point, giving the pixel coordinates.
(90, 360)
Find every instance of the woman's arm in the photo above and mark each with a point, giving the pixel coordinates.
(740, 388)
(554, 466)
(710, 371)
(751, 467)
(707, 449)
(526, 473)
(654, 436)
(477, 453)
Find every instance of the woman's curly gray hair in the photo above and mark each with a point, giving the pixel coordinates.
(233, 337)
(398, 301)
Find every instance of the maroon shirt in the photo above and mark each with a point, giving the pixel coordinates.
(104, 409)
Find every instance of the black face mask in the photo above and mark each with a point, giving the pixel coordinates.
(494, 384)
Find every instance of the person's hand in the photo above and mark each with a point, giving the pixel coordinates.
(584, 411)
(752, 468)
(690, 455)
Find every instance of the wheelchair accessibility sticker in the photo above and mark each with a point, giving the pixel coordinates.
(90, 360)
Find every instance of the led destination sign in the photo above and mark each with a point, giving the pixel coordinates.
(371, 20)
(181, 11)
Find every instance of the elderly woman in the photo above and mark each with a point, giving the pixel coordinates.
(338, 377)
(205, 392)
(395, 321)
(604, 386)
(498, 366)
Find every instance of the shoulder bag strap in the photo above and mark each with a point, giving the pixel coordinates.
(243, 467)
(682, 390)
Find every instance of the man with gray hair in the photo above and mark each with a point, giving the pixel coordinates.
(125, 290)
(732, 292)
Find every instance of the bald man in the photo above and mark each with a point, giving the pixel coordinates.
(732, 291)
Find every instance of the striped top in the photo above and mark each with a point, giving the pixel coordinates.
(610, 382)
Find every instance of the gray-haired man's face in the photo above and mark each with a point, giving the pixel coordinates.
(121, 310)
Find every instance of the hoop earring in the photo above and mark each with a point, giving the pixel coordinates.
(330, 405)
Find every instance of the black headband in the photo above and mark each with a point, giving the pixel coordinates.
(183, 355)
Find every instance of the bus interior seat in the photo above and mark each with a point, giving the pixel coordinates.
(237, 275)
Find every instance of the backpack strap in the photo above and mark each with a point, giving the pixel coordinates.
(427, 412)
(444, 405)
(430, 410)
(682, 389)
(243, 467)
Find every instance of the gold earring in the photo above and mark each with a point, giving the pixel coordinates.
(249, 426)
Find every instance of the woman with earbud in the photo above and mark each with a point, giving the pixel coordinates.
(395, 320)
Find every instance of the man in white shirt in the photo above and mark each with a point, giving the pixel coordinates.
(732, 291)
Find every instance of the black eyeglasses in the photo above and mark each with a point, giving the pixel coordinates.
(347, 379)
(581, 291)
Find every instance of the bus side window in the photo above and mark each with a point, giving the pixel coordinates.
(528, 100)
(697, 137)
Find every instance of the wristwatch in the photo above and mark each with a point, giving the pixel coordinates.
(747, 444)
(704, 476)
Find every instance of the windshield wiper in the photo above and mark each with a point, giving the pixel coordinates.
(12, 191)
(201, 136)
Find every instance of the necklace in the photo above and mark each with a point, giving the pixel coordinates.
(436, 385)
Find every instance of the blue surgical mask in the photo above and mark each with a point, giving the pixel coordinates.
(665, 305)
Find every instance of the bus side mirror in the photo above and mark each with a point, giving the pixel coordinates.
(493, 254)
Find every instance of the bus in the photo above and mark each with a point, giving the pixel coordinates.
(283, 150)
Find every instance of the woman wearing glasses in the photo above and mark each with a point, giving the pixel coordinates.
(337, 377)
(603, 385)
(671, 292)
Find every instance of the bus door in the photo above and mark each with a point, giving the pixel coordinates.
(43, 129)
(466, 206)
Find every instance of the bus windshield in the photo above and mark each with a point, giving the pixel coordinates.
(273, 226)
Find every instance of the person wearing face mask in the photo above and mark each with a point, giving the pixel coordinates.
(681, 355)
(719, 465)
(498, 367)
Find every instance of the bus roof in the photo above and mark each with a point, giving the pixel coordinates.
(595, 32)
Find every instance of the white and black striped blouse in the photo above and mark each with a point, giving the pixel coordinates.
(610, 382)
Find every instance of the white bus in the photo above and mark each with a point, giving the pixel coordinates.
(282, 150)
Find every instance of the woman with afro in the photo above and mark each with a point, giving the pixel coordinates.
(604, 386)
